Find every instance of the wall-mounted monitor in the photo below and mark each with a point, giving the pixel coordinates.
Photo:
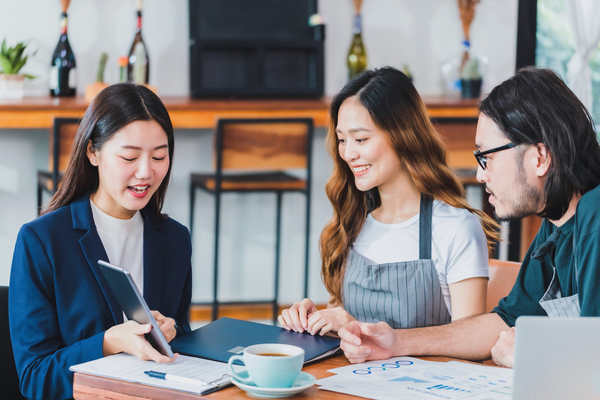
(255, 48)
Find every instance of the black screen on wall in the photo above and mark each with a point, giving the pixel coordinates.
(252, 19)
(255, 48)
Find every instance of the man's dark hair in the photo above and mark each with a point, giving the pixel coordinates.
(536, 106)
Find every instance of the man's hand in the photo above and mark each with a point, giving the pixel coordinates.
(503, 352)
(362, 341)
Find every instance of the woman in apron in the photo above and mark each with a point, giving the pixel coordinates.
(403, 246)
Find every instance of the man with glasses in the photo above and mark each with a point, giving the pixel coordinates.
(537, 154)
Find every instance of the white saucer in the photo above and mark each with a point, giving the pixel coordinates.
(303, 382)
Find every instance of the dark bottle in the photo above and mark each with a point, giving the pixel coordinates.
(357, 56)
(63, 77)
(138, 68)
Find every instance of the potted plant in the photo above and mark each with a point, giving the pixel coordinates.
(470, 79)
(12, 59)
(92, 89)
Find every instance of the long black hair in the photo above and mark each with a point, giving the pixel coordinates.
(536, 106)
(111, 110)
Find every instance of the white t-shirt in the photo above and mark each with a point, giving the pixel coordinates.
(458, 245)
(123, 240)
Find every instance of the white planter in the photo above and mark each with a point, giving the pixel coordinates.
(11, 86)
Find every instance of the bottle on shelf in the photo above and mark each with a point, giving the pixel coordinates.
(357, 56)
(138, 68)
(63, 78)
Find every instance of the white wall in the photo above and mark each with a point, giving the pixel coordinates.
(423, 34)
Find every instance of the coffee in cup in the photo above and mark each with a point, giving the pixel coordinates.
(269, 365)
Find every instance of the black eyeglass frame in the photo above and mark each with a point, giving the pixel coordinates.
(479, 154)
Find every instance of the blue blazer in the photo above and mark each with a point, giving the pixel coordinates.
(60, 305)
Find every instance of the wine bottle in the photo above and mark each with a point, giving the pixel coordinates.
(138, 69)
(357, 56)
(63, 78)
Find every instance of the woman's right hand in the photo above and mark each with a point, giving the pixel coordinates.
(129, 338)
(295, 318)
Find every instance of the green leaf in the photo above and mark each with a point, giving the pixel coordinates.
(5, 64)
(13, 58)
(29, 76)
(20, 65)
(18, 54)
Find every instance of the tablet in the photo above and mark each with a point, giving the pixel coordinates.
(133, 304)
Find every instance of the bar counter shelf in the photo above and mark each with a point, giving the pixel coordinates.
(187, 113)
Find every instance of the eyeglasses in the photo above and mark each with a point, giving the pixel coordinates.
(481, 158)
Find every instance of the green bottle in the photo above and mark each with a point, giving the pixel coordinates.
(357, 56)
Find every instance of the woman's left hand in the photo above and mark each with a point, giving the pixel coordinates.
(166, 325)
(328, 320)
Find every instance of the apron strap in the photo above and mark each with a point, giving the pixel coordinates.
(425, 228)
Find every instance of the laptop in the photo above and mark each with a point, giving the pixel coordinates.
(225, 337)
(557, 358)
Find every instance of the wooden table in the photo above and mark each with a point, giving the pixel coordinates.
(88, 387)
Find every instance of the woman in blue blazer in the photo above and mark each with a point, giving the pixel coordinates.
(108, 207)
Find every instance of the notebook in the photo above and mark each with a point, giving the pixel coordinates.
(557, 358)
(225, 337)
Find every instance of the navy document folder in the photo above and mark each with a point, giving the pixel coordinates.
(225, 337)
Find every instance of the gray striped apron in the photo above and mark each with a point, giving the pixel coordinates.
(552, 301)
(404, 294)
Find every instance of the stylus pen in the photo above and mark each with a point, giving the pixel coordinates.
(175, 378)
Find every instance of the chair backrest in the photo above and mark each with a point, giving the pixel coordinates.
(61, 141)
(263, 144)
(503, 275)
(8, 371)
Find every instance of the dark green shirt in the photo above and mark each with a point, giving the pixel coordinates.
(578, 271)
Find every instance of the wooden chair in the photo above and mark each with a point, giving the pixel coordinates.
(503, 275)
(8, 370)
(253, 155)
(61, 140)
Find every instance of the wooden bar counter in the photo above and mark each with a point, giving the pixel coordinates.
(186, 113)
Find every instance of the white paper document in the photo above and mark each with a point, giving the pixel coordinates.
(412, 378)
(129, 368)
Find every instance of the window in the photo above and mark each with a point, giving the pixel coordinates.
(555, 46)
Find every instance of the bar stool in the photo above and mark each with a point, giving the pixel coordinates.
(61, 140)
(263, 150)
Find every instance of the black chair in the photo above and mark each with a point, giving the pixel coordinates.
(61, 140)
(8, 370)
(264, 149)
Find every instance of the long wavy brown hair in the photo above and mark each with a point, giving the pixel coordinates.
(396, 109)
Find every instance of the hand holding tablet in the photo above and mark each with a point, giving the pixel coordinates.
(135, 308)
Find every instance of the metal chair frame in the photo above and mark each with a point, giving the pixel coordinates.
(218, 191)
(55, 175)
